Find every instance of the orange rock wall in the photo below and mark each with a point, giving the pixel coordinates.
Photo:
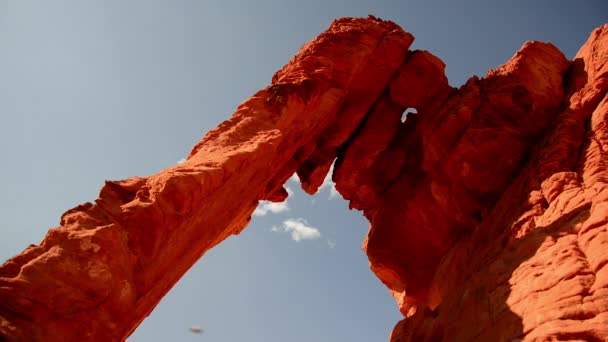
(488, 206)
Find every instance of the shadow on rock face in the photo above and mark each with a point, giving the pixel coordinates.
(539, 272)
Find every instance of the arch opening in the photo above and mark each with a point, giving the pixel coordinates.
(300, 263)
(407, 112)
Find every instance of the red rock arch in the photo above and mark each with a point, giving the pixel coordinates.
(489, 204)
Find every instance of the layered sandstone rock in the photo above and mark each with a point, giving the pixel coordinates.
(489, 203)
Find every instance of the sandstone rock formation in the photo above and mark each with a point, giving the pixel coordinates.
(489, 203)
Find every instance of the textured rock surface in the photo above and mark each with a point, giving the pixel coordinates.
(99, 274)
(535, 266)
(488, 204)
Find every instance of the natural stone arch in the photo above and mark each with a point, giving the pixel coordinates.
(426, 186)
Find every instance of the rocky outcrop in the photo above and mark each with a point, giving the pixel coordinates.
(488, 203)
(534, 267)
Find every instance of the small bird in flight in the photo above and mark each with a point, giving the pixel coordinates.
(196, 329)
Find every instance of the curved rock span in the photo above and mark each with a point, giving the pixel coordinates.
(488, 204)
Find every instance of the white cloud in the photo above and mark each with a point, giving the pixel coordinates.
(329, 184)
(266, 207)
(333, 192)
(181, 161)
(299, 229)
(295, 178)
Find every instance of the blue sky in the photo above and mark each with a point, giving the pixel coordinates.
(95, 90)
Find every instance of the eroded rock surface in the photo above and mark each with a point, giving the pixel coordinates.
(534, 267)
(488, 203)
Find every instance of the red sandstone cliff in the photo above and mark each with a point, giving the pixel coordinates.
(534, 268)
(490, 204)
